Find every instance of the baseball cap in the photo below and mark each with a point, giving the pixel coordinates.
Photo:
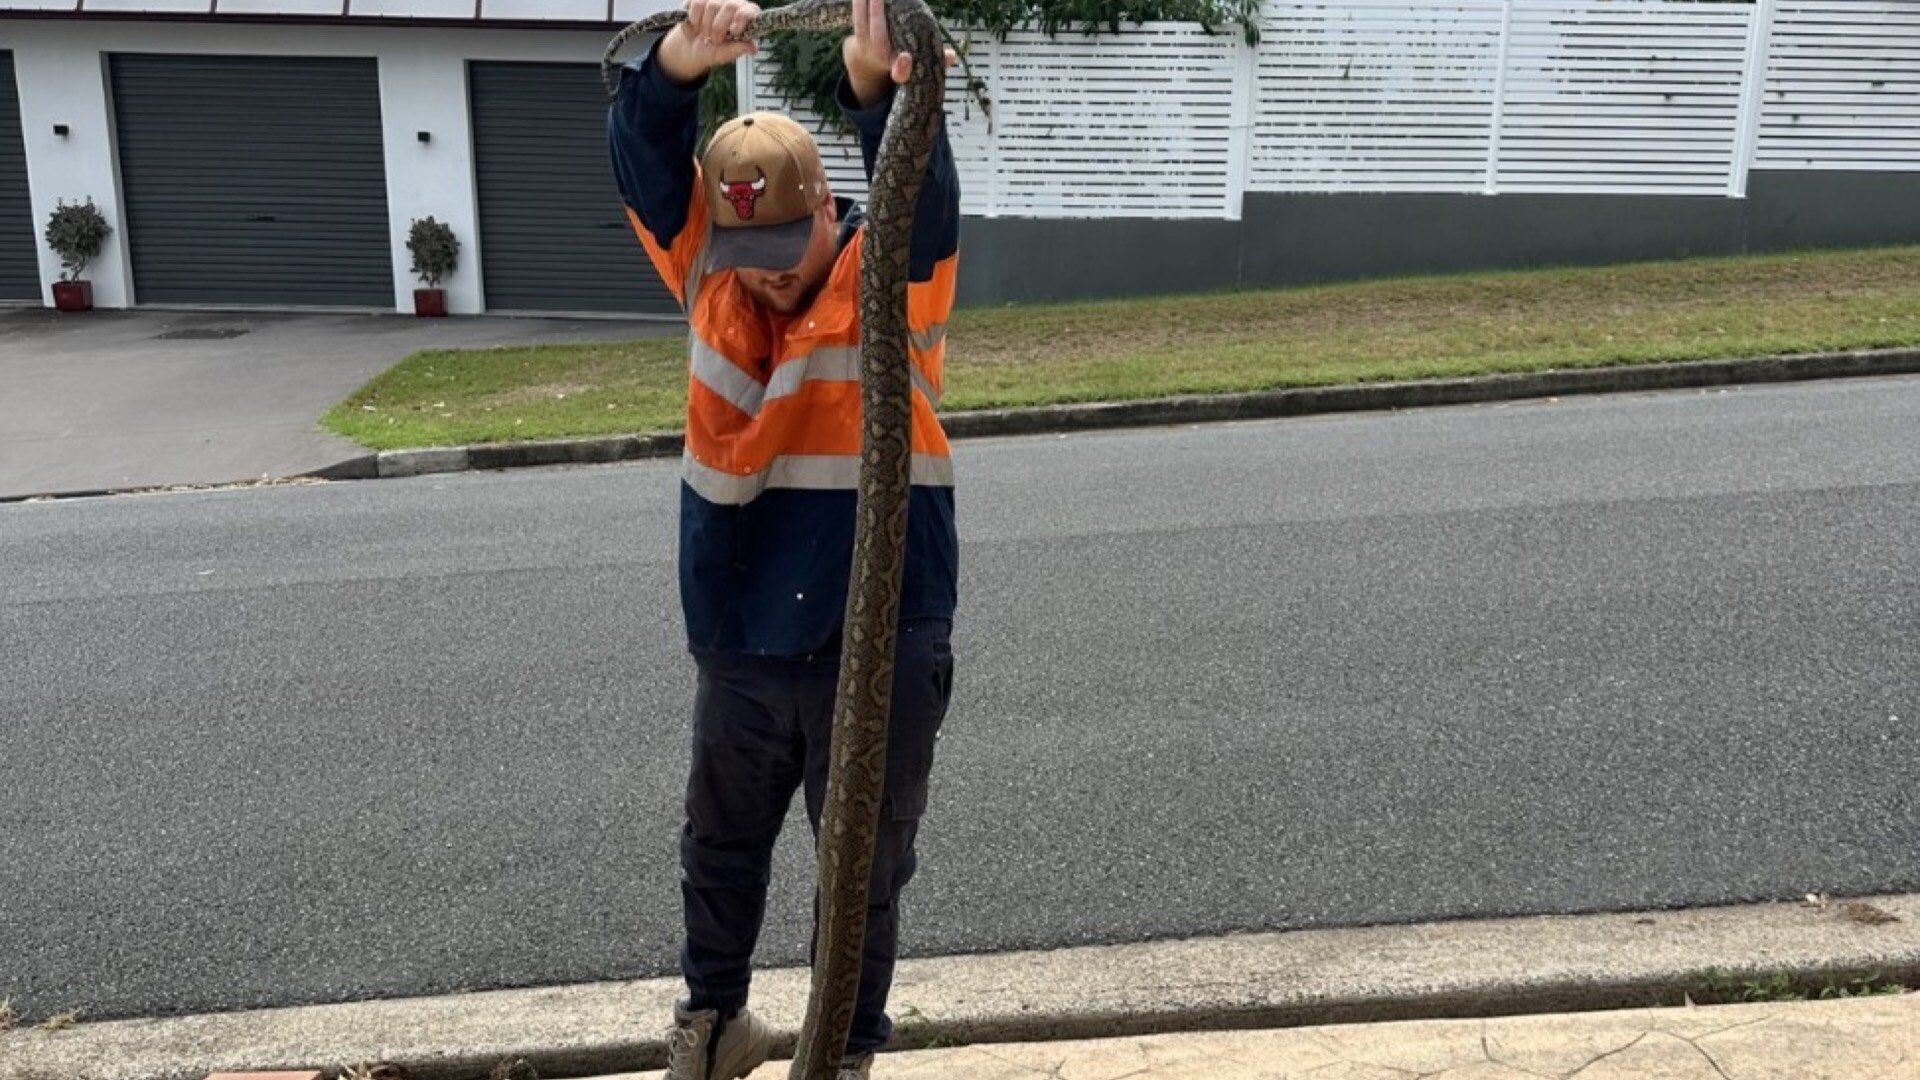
(764, 181)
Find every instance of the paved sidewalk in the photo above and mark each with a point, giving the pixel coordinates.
(118, 399)
(1868, 1038)
(1011, 1003)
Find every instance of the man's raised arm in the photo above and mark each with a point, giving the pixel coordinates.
(865, 95)
(654, 124)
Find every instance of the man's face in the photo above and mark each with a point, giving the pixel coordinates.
(790, 290)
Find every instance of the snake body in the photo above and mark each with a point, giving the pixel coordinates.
(863, 696)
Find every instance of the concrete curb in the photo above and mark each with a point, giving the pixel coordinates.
(1189, 409)
(1492, 967)
(1195, 409)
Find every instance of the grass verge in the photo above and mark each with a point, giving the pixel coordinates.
(1115, 350)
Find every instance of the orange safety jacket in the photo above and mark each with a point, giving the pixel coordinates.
(774, 401)
(773, 406)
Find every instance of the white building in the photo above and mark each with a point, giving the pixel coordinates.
(276, 152)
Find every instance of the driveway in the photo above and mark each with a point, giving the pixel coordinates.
(129, 399)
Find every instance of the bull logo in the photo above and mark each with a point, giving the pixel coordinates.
(742, 194)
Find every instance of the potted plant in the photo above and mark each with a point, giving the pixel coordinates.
(435, 251)
(76, 232)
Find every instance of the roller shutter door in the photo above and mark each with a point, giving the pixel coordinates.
(553, 235)
(253, 179)
(19, 260)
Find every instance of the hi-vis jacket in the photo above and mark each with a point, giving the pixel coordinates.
(773, 407)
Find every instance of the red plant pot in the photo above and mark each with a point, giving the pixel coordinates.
(73, 295)
(430, 303)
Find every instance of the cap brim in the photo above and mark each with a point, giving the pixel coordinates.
(761, 247)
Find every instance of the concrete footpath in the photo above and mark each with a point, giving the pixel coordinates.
(1874, 1037)
(1425, 971)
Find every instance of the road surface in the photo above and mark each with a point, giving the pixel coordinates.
(304, 744)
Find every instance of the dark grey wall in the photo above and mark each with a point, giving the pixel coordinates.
(1291, 239)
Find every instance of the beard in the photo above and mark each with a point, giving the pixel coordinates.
(788, 301)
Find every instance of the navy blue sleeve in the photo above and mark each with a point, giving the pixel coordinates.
(936, 216)
(652, 129)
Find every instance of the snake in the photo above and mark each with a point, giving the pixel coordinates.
(857, 753)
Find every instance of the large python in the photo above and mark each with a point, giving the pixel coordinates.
(863, 696)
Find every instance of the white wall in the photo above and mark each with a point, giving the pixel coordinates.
(426, 90)
(61, 68)
(61, 86)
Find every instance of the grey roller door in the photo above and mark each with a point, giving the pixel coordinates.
(19, 261)
(553, 235)
(253, 180)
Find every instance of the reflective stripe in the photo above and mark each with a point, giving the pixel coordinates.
(724, 377)
(828, 363)
(928, 338)
(815, 472)
(926, 388)
(696, 269)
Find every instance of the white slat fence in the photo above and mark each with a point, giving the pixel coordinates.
(1842, 86)
(1675, 97)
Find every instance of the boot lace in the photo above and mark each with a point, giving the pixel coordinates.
(683, 1052)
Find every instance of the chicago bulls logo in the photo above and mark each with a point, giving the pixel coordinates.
(742, 194)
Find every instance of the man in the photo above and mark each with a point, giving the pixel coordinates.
(766, 263)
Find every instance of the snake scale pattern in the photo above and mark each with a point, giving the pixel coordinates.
(863, 698)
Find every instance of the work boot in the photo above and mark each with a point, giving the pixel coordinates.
(856, 1068)
(703, 1046)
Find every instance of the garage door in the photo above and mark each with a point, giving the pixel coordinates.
(253, 180)
(19, 262)
(553, 236)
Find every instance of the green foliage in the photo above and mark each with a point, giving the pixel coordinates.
(719, 100)
(1718, 988)
(808, 64)
(434, 248)
(76, 232)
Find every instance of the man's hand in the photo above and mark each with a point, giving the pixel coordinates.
(700, 44)
(869, 56)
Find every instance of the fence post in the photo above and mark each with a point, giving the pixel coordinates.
(1240, 141)
(1752, 98)
(986, 65)
(743, 98)
(1499, 100)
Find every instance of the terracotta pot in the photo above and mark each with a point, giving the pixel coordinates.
(73, 295)
(430, 303)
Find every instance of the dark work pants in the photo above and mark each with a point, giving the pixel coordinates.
(760, 730)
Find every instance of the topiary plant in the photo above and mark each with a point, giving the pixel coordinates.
(76, 232)
(434, 248)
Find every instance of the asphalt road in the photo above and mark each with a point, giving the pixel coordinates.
(402, 737)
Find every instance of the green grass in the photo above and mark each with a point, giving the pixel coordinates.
(1403, 328)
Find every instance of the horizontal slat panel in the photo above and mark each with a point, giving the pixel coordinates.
(1843, 86)
(1361, 95)
(1590, 95)
(1134, 125)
